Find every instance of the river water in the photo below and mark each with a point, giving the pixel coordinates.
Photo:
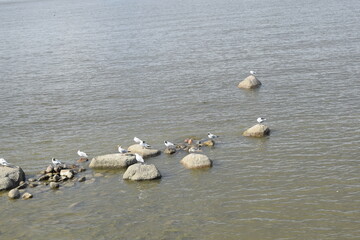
(93, 74)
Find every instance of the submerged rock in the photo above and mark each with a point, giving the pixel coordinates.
(144, 152)
(138, 172)
(27, 195)
(258, 130)
(116, 160)
(196, 160)
(10, 177)
(250, 82)
(14, 193)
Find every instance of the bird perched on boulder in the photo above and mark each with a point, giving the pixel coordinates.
(212, 136)
(252, 72)
(260, 120)
(122, 150)
(82, 154)
(3, 162)
(169, 144)
(55, 162)
(139, 158)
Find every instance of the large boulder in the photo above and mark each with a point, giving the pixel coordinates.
(250, 82)
(10, 177)
(258, 130)
(138, 172)
(196, 160)
(144, 152)
(116, 160)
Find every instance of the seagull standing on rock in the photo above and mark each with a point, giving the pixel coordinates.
(144, 144)
(212, 136)
(82, 154)
(260, 120)
(139, 158)
(252, 72)
(3, 162)
(137, 140)
(122, 150)
(55, 162)
(169, 144)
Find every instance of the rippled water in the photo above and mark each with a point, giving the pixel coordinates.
(93, 74)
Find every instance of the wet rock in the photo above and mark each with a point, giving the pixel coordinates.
(31, 180)
(54, 185)
(196, 160)
(49, 169)
(138, 172)
(22, 185)
(170, 150)
(27, 195)
(144, 152)
(81, 169)
(98, 175)
(14, 193)
(82, 179)
(208, 143)
(69, 173)
(10, 177)
(33, 184)
(44, 178)
(249, 83)
(258, 130)
(55, 178)
(116, 160)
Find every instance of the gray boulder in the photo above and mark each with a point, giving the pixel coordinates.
(10, 177)
(196, 160)
(138, 172)
(116, 160)
(144, 152)
(250, 82)
(14, 194)
(258, 130)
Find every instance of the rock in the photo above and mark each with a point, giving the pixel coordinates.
(116, 160)
(10, 177)
(14, 193)
(81, 169)
(170, 150)
(31, 180)
(81, 160)
(258, 130)
(55, 178)
(68, 173)
(138, 172)
(250, 82)
(22, 185)
(49, 169)
(33, 184)
(27, 195)
(43, 178)
(54, 185)
(144, 152)
(208, 143)
(196, 160)
(82, 179)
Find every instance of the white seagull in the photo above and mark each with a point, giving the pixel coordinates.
(122, 150)
(211, 136)
(139, 158)
(3, 162)
(137, 140)
(252, 72)
(169, 144)
(144, 144)
(260, 120)
(82, 154)
(55, 161)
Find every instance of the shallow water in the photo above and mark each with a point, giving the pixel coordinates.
(91, 75)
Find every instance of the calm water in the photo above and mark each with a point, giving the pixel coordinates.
(93, 74)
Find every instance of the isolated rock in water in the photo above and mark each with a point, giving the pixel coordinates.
(144, 152)
(250, 82)
(138, 172)
(196, 160)
(258, 130)
(14, 193)
(116, 160)
(10, 177)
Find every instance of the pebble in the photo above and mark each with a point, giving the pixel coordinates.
(27, 195)
(54, 185)
(82, 179)
(14, 193)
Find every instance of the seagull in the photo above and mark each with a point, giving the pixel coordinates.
(55, 161)
(122, 150)
(144, 144)
(194, 149)
(3, 162)
(252, 72)
(82, 154)
(260, 120)
(137, 140)
(211, 136)
(169, 144)
(139, 158)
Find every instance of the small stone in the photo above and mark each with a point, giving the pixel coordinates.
(208, 143)
(43, 177)
(27, 195)
(82, 179)
(54, 178)
(98, 175)
(49, 169)
(31, 180)
(81, 169)
(33, 184)
(81, 160)
(54, 185)
(170, 150)
(14, 193)
(22, 185)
